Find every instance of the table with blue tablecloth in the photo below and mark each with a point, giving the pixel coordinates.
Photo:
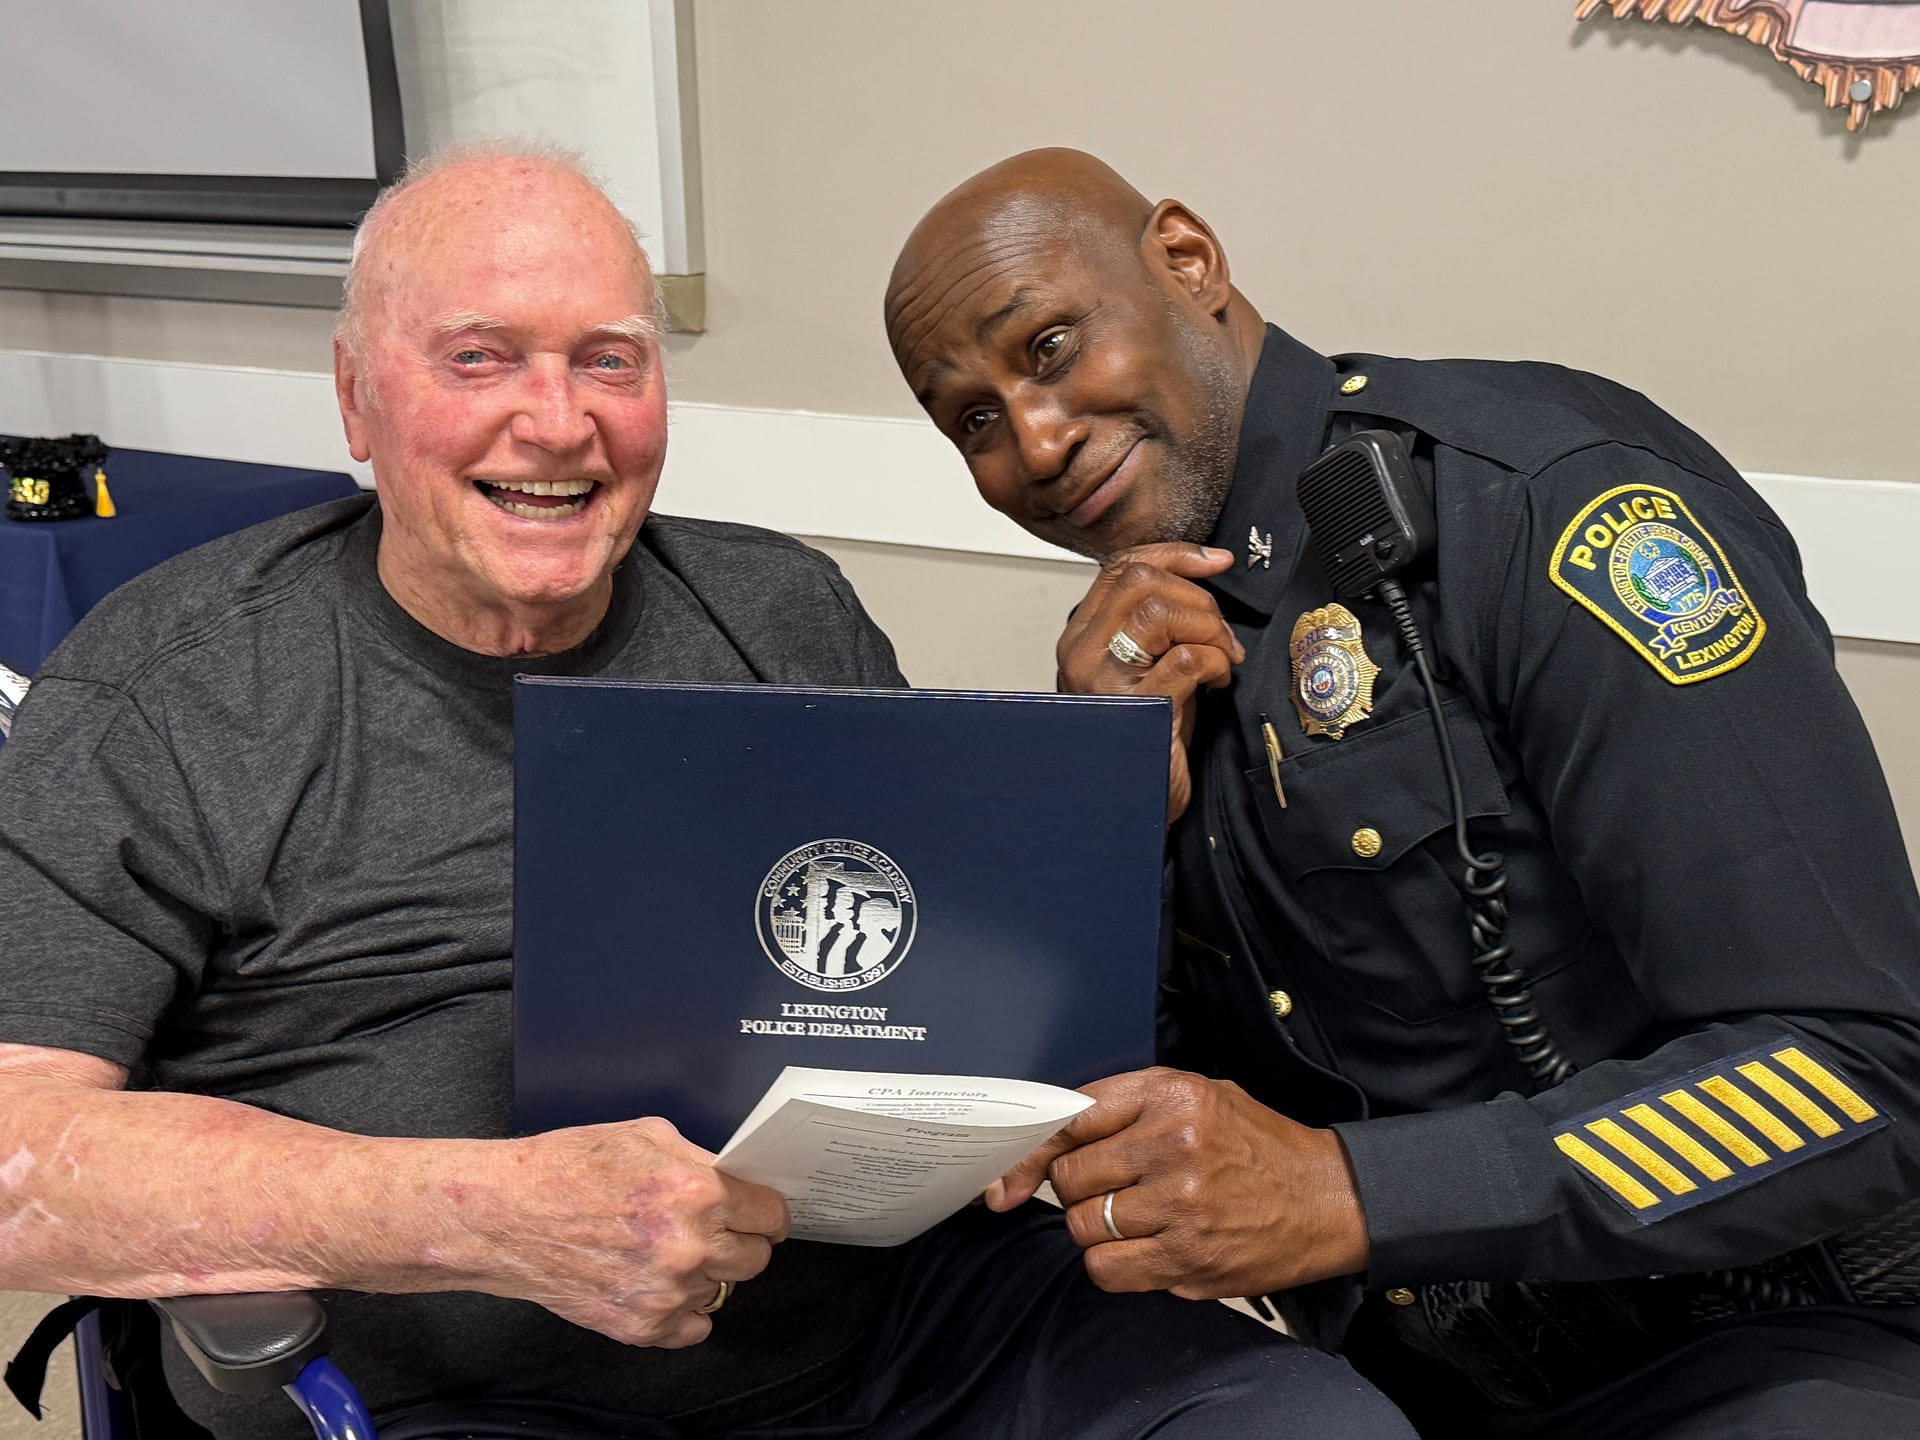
(53, 571)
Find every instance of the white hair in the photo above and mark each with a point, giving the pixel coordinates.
(350, 326)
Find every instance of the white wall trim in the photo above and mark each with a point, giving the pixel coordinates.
(845, 477)
(1831, 521)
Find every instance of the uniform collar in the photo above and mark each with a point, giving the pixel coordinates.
(1282, 431)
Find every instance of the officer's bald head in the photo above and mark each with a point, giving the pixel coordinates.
(1026, 204)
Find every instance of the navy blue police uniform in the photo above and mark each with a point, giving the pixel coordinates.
(1705, 882)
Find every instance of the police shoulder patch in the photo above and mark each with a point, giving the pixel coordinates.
(1717, 1129)
(1637, 558)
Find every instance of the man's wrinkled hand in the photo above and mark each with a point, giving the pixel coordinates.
(628, 1229)
(1148, 591)
(1215, 1194)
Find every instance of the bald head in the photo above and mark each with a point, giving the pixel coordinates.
(1022, 204)
(1081, 346)
(463, 194)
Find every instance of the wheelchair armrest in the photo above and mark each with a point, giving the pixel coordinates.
(247, 1344)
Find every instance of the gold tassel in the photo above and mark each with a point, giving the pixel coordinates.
(102, 501)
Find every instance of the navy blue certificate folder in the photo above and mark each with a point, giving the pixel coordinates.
(714, 882)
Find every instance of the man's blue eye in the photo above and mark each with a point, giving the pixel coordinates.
(469, 357)
(610, 362)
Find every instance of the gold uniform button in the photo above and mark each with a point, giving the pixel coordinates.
(1353, 385)
(1282, 1003)
(1400, 1295)
(1366, 842)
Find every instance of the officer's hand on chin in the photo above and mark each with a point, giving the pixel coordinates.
(1213, 1193)
(1145, 628)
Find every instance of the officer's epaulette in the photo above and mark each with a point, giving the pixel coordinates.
(1521, 415)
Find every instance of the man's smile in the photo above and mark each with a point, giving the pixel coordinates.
(1097, 501)
(539, 499)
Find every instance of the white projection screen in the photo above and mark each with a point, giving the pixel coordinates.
(280, 113)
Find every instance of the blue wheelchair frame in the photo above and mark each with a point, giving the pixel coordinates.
(243, 1345)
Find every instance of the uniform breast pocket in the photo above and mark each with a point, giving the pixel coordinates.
(1366, 859)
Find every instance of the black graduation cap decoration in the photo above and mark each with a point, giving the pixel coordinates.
(50, 477)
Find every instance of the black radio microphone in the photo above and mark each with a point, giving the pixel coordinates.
(1368, 520)
(1365, 512)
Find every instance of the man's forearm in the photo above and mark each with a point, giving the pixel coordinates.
(625, 1228)
(143, 1194)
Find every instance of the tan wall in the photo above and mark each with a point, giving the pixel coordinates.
(271, 336)
(1423, 177)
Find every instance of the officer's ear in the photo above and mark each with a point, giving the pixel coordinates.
(1178, 244)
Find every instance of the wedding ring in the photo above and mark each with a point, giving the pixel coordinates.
(1106, 1214)
(719, 1299)
(1128, 651)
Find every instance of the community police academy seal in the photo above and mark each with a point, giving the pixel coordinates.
(835, 915)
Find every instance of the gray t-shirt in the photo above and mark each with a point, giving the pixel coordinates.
(256, 842)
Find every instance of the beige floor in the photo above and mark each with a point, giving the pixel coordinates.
(17, 1316)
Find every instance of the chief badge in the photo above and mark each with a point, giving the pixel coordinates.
(1633, 559)
(1332, 675)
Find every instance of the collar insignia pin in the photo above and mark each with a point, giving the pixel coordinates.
(1259, 548)
(1332, 673)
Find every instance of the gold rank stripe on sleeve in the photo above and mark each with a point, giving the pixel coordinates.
(1717, 1129)
(1606, 1172)
(1670, 1179)
(1782, 1089)
(1678, 1141)
(1770, 1126)
(1712, 1123)
(1823, 1080)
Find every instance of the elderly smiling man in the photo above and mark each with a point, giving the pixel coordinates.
(255, 825)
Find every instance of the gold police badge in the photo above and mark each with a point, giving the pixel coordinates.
(1332, 675)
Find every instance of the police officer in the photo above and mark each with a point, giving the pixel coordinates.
(1569, 1078)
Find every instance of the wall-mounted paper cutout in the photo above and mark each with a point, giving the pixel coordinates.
(1865, 54)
